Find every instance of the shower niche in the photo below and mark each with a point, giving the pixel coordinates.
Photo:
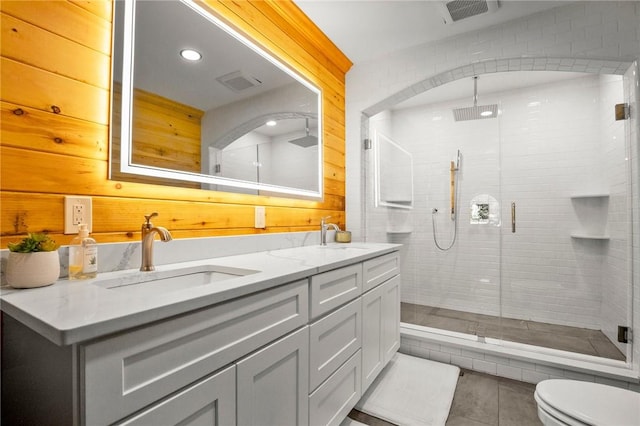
(592, 214)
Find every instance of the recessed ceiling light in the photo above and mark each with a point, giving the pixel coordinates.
(271, 123)
(190, 54)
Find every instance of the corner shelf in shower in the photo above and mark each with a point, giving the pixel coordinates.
(579, 235)
(591, 209)
(595, 195)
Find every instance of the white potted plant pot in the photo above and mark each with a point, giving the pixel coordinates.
(28, 270)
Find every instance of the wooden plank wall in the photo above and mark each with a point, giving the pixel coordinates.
(55, 83)
(166, 134)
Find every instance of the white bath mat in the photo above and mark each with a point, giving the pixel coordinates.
(411, 391)
(350, 422)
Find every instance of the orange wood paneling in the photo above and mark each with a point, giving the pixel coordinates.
(54, 93)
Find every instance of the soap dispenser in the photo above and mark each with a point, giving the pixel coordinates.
(83, 255)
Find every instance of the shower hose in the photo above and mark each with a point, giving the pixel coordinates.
(454, 217)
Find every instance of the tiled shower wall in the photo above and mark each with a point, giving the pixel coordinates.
(546, 146)
(581, 30)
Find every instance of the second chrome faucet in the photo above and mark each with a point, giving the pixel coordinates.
(324, 226)
(148, 234)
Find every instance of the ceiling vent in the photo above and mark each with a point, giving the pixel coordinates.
(238, 81)
(457, 10)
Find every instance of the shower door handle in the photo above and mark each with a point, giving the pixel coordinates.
(513, 218)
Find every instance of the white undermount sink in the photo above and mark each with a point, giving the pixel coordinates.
(154, 282)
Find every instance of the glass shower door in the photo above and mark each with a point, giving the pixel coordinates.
(565, 265)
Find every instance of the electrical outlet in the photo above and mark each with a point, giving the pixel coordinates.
(77, 210)
(78, 214)
(260, 220)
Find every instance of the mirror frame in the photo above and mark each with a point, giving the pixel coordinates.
(126, 164)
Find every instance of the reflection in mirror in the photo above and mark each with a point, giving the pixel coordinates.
(202, 122)
(393, 173)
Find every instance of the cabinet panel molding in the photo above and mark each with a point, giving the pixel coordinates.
(333, 339)
(211, 401)
(331, 402)
(334, 288)
(272, 383)
(378, 270)
(372, 353)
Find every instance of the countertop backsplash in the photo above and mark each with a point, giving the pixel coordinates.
(120, 256)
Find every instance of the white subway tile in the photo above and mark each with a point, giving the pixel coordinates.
(612, 382)
(440, 357)
(485, 367)
(534, 377)
(509, 372)
(462, 361)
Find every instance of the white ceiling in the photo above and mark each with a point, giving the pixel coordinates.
(366, 29)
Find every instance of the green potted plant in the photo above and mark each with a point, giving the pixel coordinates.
(33, 262)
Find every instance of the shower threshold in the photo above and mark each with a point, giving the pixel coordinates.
(564, 338)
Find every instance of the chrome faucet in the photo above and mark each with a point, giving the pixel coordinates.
(148, 233)
(323, 229)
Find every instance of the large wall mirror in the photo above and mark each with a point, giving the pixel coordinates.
(196, 104)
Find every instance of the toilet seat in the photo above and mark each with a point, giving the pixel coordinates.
(572, 402)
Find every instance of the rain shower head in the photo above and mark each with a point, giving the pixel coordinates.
(305, 141)
(476, 112)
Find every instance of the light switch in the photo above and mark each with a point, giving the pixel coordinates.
(260, 222)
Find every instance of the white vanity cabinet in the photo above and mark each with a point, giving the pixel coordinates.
(294, 354)
(346, 341)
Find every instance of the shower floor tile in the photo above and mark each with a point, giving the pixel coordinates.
(572, 339)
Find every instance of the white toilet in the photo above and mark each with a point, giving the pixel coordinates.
(571, 402)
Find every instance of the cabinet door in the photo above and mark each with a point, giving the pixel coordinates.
(209, 402)
(273, 383)
(380, 328)
(390, 318)
(372, 354)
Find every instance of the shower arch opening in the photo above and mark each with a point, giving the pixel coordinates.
(583, 65)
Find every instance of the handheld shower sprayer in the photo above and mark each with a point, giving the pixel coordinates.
(453, 169)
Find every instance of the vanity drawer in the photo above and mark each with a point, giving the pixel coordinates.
(127, 372)
(378, 270)
(334, 288)
(331, 402)
(333, 339)
(213, 398)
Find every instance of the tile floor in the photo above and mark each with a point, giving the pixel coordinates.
(572, 339)
(482, 400)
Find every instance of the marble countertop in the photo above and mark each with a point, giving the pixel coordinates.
(70, 312)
